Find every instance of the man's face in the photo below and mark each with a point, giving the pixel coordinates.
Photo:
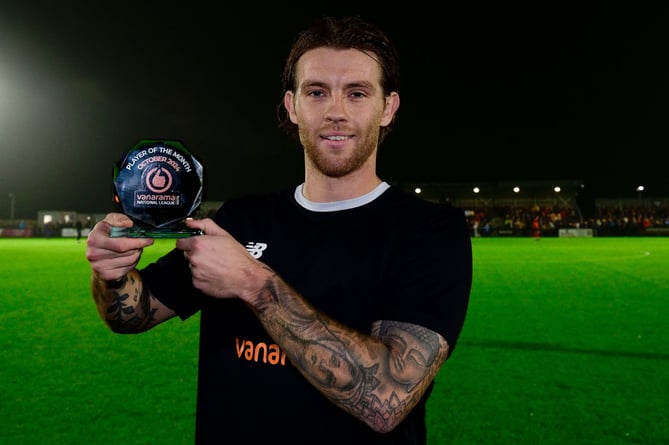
(339, 108)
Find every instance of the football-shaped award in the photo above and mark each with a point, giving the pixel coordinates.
(158, 184)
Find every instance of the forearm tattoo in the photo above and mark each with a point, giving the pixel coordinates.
(127, 308)
(378, 378)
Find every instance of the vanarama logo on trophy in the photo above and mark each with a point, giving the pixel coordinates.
(158, 184)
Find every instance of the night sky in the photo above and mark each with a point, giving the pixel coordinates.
(513, 91)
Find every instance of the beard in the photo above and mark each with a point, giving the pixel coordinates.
(339, 166)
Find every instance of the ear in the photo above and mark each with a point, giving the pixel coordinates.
(289, 105)
(392, 104)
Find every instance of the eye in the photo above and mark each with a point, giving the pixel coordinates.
(334, 361)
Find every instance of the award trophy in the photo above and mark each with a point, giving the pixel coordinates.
(158, 184)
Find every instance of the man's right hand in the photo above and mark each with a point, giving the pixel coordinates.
(112, 258)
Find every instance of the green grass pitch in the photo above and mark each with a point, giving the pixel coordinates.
(565, 342)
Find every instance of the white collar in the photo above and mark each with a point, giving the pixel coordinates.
(339, 205)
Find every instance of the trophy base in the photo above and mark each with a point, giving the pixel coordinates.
(153, 232)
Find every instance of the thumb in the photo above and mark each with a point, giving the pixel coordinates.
(118, 220)
(206, 225)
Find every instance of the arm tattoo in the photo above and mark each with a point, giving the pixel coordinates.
(378, 378)
(126, 309)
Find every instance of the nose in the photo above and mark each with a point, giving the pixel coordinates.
(336, 109)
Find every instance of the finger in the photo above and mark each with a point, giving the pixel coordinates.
(207, 225)
(118, 220)
(100, 244)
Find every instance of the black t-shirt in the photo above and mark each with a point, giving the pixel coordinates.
(396, 257)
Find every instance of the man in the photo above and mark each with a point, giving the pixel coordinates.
(79, 228)
(326, 310)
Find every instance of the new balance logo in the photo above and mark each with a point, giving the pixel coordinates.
(256, 249)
